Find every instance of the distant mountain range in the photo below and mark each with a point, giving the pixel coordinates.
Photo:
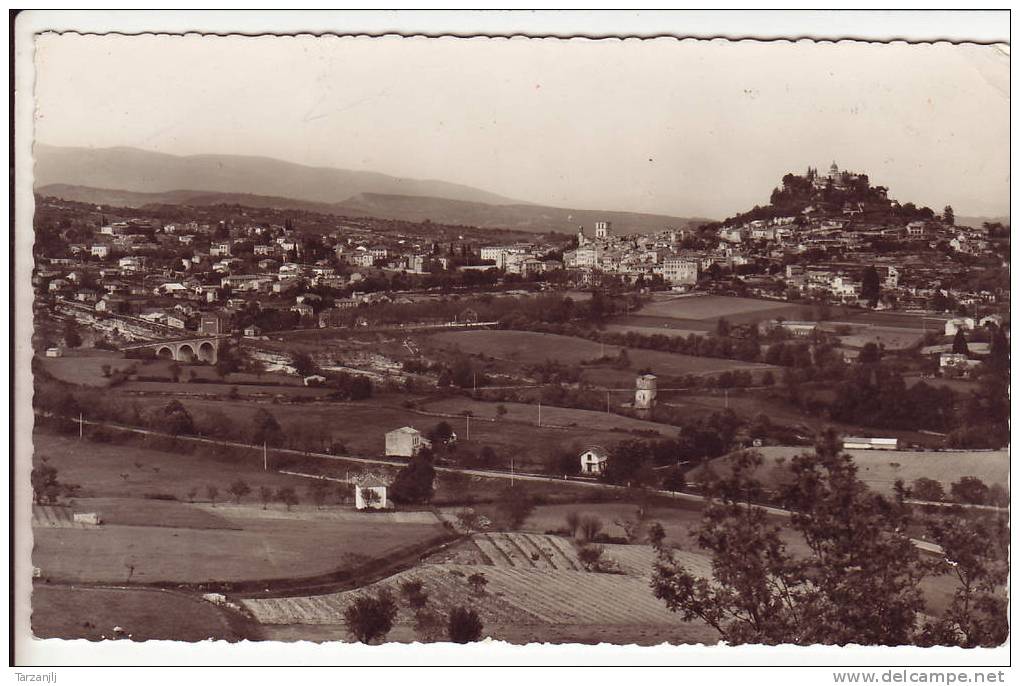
(976, 222)
(142, 171)
(128, 177)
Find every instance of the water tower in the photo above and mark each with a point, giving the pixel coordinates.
(644, 394)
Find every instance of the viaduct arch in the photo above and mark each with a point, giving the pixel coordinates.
(187, 351)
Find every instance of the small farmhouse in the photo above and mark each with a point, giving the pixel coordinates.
(405, 442)
(593, 460)
(370, 493)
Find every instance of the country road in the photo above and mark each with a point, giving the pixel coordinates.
(487, 473)
(492, 474)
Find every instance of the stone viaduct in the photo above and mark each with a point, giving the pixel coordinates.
(187, 350)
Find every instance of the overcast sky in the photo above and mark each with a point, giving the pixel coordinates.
(683, 128)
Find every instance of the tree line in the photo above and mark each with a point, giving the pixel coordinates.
(859, 578)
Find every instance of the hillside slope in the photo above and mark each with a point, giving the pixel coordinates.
(509, 216)
(533, 218)
(141, 171)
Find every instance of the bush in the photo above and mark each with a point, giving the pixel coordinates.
(928, 489)
(414, 594)
(288, 496)
(464, 625)
(478, 582)
(589, 527)
(998, 496)
(573, 520)
(238, 489)
(590, 557)
(428, 625)
(160, 496)
(970, 490)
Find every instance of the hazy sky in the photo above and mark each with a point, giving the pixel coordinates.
(685, 128)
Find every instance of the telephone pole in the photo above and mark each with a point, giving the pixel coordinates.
(540, 413)
(81, 425)
(265, 457)
(468, 418)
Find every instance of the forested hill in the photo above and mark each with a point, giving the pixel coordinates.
(839, 194)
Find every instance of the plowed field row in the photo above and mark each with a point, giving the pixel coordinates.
(56, 517)
(446, 586)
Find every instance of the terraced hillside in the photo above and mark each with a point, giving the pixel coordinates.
(533, 579)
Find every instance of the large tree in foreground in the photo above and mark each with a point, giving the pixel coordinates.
(855, 579)
(370, 618)
(976, 548)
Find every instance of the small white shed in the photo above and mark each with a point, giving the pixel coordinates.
(370, 494)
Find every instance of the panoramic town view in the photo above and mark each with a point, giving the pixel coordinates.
(286, 401)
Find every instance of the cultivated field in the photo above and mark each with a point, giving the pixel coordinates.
(751, 403)
(891, 338)
(534, 581)
(175, 540)
(900, 320)
(532, 551)
(56, 517)
(222, 389)
(69, 612)
(677, 521)
(881, 468)
(654, 326)
(528, 347)
(85, 366)
(710, 308)
(105, 470)
(551, 416)
(253, 547)
(361, 427)
(700, 314)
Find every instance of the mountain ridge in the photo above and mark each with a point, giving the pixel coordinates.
(521, 217)
(142, 171)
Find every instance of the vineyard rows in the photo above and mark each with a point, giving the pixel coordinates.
(532, 578)
(527, 551)
(569, 597)
(639, 560)
(446, 586)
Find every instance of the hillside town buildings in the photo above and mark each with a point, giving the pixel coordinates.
(182, 272)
